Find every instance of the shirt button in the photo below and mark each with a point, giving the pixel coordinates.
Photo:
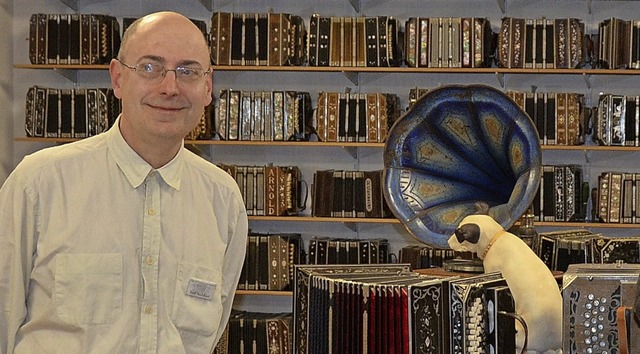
(148, 309)
(152, 211)
(149, 260)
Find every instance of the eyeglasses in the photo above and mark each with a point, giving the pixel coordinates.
(153, 71)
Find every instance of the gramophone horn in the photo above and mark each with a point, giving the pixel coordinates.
(459, 147)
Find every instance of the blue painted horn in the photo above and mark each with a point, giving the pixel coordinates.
(459, 147)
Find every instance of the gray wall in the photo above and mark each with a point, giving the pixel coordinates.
(6, 94)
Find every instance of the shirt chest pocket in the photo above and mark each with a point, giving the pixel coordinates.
(88, 288)
(197, 304)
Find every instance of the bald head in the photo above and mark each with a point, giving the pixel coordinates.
(170, 23)
(158, 111)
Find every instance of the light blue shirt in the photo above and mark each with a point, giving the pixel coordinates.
(101, 253)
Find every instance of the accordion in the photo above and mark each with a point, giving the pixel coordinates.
(264, 115)
(69, 113)
(387, 308)
(453, 42)
(617, 119)
(351, 117)
(592, 297)
(61, 39)
(273, 39)
(269, 190)
(541, 43)
(354, 41)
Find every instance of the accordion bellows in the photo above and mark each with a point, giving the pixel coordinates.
(457, 146)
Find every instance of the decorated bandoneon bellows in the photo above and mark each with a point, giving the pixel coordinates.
(457, 146)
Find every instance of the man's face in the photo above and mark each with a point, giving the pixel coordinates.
(166, 107)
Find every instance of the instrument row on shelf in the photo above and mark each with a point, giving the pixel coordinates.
(278, 39)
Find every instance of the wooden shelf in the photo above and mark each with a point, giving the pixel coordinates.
(288, 143)
(590, 148)
(331, 144)
(263, 293)
(429, 70)
(62, 67)
(588, 225)
(326, 219)
(45, 140)
(221, 142)
(354, 69)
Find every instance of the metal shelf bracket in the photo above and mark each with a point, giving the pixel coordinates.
(352, 150)
(587, 80)
(587, 156)
(353, 226)
(69, 74)
(500, 77)
(208, 4)
(73, 4)
(356, 5)
(354, 77)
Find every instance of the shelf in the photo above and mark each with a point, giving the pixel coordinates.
(599, 225)
(327, 219)
(334, 144)
(288, 143)
(62, 67)
(70, 72)
(587, 225)
(263, 293)
(352, 73)
(590, 148)
(222, 142)
(396, 221)
(354, 69)
(45, 140)
(429, 70)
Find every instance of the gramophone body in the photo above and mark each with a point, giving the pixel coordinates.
(460, 147)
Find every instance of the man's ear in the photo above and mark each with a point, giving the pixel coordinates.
(209, 89)
(115, 73)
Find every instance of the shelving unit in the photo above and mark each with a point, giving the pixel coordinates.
(313, 156)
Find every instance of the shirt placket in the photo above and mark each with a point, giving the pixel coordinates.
(149, 265)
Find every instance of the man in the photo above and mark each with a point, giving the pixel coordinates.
(126, 242)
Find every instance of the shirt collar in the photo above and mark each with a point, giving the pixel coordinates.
(137, 169)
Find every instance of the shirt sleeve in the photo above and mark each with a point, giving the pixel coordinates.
(17, 246)
(233, 261)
